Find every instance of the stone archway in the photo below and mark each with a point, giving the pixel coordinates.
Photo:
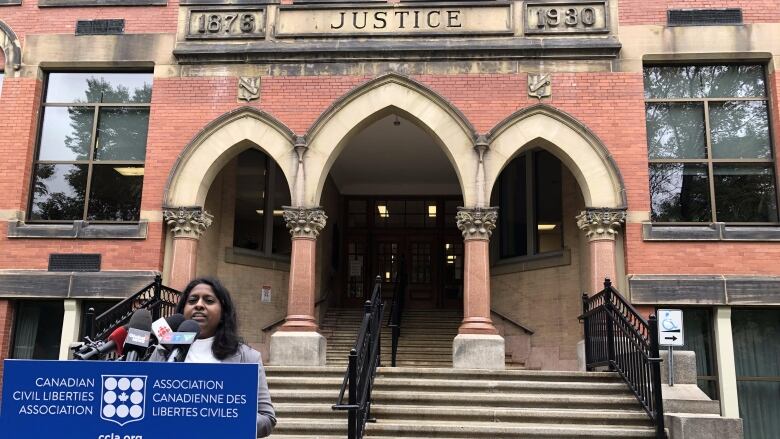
(12, 48)
(330, 133)
(569, 140)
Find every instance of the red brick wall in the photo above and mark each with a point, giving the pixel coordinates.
(654, 11)
(30, 19)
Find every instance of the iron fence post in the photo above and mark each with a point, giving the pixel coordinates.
(89, 323)
(658, 399)
(156, 309)
(352, 412)
(610, 323)
(586, 330)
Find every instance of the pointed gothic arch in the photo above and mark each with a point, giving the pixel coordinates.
(575, 145)
(221, 140)
(374, 99)
(12, 48)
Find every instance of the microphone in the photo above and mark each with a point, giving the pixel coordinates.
(179, 353)
(99, 348)
(166, 325)
(138, 335)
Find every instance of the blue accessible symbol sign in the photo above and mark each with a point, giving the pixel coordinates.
(670, 328)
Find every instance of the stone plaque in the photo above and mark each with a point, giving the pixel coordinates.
(384, 20)
(248, 88)
(218, 23)
(562, 17)
(540, 86)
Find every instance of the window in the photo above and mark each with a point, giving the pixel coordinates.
(530, 205)
(38, 329)
(261, 191)
(91, 150)
(709, 144)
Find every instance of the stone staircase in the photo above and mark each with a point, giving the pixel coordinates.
(426, 337)
(416, 403)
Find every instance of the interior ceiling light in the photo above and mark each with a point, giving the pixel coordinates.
(130, 171)
(432, 211)
(383, 212)
(546, 227)
(276, 212)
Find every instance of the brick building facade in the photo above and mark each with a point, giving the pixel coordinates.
(626, 139)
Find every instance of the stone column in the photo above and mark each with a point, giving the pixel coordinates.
(187, 225)
(71, 324)
(477, 345)
(601, 226)
(297, 342)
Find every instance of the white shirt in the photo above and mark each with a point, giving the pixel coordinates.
(200, 352)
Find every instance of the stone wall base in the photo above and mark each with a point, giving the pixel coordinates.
(478, 351)
(297, 349)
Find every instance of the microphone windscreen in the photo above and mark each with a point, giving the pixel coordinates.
(141, 319)
(118, 336)
(190, 326)
(174, 321)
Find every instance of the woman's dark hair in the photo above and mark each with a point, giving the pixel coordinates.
(226, 339)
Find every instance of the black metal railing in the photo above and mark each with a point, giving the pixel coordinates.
(397, 309)
(156, 297)
(363, 361)
(617, 337)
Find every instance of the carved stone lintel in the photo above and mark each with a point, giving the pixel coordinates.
(477, 223)
(305, 222)
(187, 222)
(601, 223)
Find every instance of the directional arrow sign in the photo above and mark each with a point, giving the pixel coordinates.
(670, 327)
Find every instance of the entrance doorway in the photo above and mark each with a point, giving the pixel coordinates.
(416, 234)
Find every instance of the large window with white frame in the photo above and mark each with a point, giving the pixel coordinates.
(89, 164)
(709, 144)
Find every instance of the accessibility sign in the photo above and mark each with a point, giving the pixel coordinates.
(670, 327)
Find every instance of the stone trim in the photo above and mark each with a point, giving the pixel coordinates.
(601, 223)
(305, 222)
(78, 230)
(477, 223)
(226, 2)
(187, 222)
(41, 284)
(709, 232)
(11, 46)
(252, 258)
(530, 263)
(10, 2)
(704, 290)
(79, 3)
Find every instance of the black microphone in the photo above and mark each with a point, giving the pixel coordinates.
(138, 335)
(99, 348)
(179, 353)
(175, 320)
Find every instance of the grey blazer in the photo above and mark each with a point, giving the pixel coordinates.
(266, 417)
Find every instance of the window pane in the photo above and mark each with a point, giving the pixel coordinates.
(549, 205)
(512, 214)
(281, 242)
(676, 131)
(66, 133)
(58, 192)
(745, 193)
(357, 213)
(38, 330)
(99, 87)
(698, 338)
(680, 192)
(704, 81)
(115, 193)
(740, 129)
(249, 230)
(122, 133)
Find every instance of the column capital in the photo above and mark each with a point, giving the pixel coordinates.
(187, 222)
(477, 223)
(305, 222)
(601, 223)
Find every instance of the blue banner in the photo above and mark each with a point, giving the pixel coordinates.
(128, 400)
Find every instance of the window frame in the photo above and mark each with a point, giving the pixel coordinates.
(90, 161)
(531, 209)
(709, 161)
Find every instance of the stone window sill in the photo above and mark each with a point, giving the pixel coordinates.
(530, 263)
(709, 232)
(252, 258)
(74, 3)
(41, 284)
(10, 2)
(78, 230)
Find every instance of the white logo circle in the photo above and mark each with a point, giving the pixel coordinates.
(109, 397)
(109, 411)
(137, 384)
(110, 383)
(136, 397)
(136, 412)
(123, 384)
(122, 411)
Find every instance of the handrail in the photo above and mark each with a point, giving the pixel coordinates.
(397, 308)
(276, 323)
(618, 337)
(508, 319)
(156, 297)
(364, 359)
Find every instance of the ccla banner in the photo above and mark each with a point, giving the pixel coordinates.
(127, 400)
